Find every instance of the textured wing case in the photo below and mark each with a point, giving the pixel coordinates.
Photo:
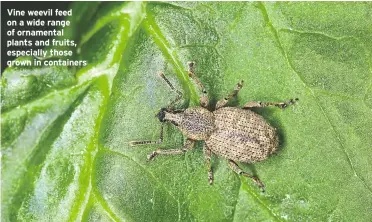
(242, 135)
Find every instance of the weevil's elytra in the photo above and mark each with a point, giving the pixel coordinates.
(238, 134)
(242, 135)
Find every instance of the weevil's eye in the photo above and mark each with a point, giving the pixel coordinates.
(161, 114)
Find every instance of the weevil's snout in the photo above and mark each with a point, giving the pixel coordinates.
(161, 114)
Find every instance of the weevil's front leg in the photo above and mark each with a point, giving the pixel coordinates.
(234, 166)
(146, 142)
(204, 98)
(179, 94)
(208, 154)
(189, 144)
(225, 100)
(281, 105)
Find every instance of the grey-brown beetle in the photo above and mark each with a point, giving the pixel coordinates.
(238, 134)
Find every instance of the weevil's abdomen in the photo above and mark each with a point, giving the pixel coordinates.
(242, 135)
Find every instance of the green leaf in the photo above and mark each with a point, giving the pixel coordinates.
(65, 131)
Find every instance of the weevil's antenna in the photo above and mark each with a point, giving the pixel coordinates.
(146, 142)
(179, 96)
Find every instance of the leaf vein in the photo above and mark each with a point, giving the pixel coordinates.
(105, 206)
(338, 38)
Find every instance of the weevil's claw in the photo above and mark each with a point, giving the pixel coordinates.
(292, 101)
(132, 143)
(256, 180)
(191, 66)
(239, 85)
(161, 74)
(259, 183)
(210, 177)
(282, 105)
(190, 63)
(151, 156)
(286, 104)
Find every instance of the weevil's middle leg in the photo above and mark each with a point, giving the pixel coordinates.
(224, 101)
(189, 144)
(208, 154)
(204, 98)
(234, 166)
(281, 105)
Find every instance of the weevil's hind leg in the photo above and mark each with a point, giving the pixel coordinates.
(204, 101)
(281, 105)
(146, 142)
(179, 96)
(234, 166)
(189, 144)
(224, 101)
(207, 155)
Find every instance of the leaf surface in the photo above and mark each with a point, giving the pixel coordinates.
(65, 132)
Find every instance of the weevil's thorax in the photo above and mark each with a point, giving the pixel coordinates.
(196, 123)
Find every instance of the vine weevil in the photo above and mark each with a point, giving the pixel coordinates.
(238, 134)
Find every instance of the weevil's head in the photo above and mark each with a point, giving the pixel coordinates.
(170, 115)
(161, 114)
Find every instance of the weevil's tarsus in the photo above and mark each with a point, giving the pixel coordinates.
(224, 101)
(207, 155)
(204, 101)
(280, 105)
(235, 167)
(188, 145)
(179, 93)
(147, 142)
